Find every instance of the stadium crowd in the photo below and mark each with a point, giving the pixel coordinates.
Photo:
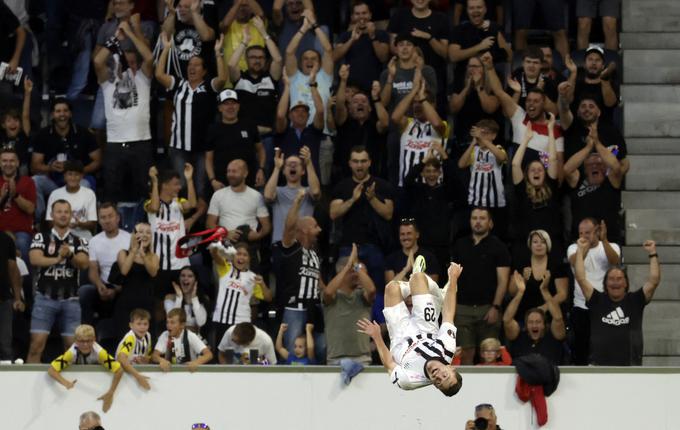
(336, 142)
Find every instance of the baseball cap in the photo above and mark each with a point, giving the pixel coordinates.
(596, 49)
(404, 36)
(299, 103)
(227, 95)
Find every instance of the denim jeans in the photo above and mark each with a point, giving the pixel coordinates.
(81, 70)
(130, 214)
(296, 320)
(98, 120)
(23, 244)
(197, 159)
(372, 256)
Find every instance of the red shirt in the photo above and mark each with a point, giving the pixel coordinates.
(11, 217)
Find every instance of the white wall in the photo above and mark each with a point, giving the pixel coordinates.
(249, 399)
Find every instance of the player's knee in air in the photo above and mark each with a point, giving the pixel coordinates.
(393, 287)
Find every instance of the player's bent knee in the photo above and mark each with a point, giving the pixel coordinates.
(393, 287)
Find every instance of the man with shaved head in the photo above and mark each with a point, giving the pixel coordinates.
(300, 282)
(239, 208)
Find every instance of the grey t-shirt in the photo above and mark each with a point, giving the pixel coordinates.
(108, 29)
(403, 83)
(340, 319)
(282, 204)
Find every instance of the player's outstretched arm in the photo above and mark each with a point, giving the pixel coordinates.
(449, 308)
(372, 329)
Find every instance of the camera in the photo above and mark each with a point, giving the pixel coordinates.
(481, 423)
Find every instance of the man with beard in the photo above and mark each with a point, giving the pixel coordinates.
(594, 79)
(239, 208)
(363, 47)
(300, 284)
(616, 314)
(126, 90)
(55, 144)
(475, 37)
(576, 130)
(17, 201)
(534, 112)
(230, 139)
(359, 121)
(535, 338)
(596, 192)
(365, 204)
(482, 285)
(58, 257)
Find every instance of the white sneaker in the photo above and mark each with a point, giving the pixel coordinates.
(419, 265)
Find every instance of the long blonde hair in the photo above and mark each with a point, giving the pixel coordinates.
(540, 194)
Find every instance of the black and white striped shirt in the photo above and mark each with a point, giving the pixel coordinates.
(167, 226)
(195, 110)
(486, 180)
(233, 296)
(301, 271)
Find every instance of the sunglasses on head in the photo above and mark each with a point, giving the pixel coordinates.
(407, 221)
(200, 426)
(483, 406)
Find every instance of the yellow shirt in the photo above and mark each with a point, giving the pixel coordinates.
(134, 347)
(74, 356)
(234, 36)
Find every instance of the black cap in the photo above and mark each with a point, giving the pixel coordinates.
(404, 36)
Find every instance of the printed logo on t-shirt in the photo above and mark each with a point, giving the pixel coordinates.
(125, 93)
(244, 134)
(616, 317)
(586, 188)
(188, 44)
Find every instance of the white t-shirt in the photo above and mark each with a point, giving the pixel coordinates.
(596, 265)
(236, 209)
(409, 373)
(83, 208)
(196, 345)
(104, 250)
(126, 105)
(539, 140)
(262, 342)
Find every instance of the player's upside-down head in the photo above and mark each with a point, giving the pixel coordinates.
(444, 377)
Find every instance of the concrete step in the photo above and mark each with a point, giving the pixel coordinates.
(650, 199)
(660, 328)
(660, 225)
(651, 145)
(650, 15)
(653, 173)
(668, 289)
(651, 66)
(658, 360)
(633, 41)
(635, 254)
(651, 110)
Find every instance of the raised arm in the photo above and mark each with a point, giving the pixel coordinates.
(222, 74)
(319, 113)
(580, 270)
(399, 112)
(205, 32)
(458, 54)
(155, 202)
(329, 293)
(230, 16)
(290, 224)
(161, 76)
(654, 276)
(190, 202)
(102, 56)
(386, 92)
(553, 164)
(270, 188)
(141, 46)
(26, 106)
(383, 208)
(234, 60)
(168, 26)
(383, 117)
(312, 177)
(507, 103)
(566, 117)
(291, 49)
(340, 207)
(517, 172)
(340, 104)
(571, 172)
(372, 329)
(510, 325)
(276, 65)
(283, 106)
(327, 63)
(557, 327)
(280, 349)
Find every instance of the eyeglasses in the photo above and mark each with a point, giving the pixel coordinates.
(200, 426)
(407, 221)
(483, 406)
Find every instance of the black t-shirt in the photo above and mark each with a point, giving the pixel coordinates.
(610, 136)
(467, 35)
(188, 42)
(353, 133)
(600, 202)
(490, 10)
(532, 296)
(583, 88)
(471, 113)
(8, 25)
(365, 67)
(477, 284)
(547, 346)
(258, 98)
(616, 329)
(362, 224)
(549, 86)
(77, 145)
(403, 21)
(61, 280)
(20, 144)
(8, 253)
(230, 142)
(397, 261)
(300, 275)
(532, 216)
(291, 142)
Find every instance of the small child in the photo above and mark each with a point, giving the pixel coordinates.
(493, 354)
(86, 351)
(303, 353)
(135, 348)
(180, 346)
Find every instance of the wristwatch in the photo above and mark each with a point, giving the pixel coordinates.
(313, 84)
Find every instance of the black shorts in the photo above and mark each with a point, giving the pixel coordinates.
(553, 13)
